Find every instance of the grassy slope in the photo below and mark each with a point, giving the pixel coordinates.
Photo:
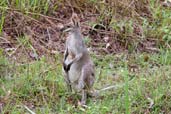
(40, 86)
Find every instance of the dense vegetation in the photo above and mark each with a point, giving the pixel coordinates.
(129, 41)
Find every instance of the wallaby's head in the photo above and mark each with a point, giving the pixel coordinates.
(73, 25)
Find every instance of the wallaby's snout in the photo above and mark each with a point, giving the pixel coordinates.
(65, 29)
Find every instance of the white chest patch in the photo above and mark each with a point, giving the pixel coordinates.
(74, 74)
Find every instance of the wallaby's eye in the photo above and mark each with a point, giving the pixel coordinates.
(68, 26)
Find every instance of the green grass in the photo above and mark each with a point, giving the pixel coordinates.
(40, 86)
(35, 6)
(2, 19)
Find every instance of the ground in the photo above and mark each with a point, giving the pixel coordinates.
(142, 86)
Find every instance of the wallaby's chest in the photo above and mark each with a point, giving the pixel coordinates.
(75, 45)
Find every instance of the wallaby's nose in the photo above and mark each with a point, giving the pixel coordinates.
(62, 29)
(67, 27)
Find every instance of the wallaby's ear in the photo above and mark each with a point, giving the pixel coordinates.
(75, 20)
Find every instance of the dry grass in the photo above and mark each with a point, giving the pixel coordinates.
(115, 25)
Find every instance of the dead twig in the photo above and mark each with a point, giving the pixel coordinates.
(50, 40)
(30, 111)
(4, 39)
(32, 13)
(100, 31)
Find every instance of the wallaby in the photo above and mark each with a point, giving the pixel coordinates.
(77, 64)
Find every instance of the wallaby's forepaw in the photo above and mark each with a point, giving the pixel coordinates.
(66, 67)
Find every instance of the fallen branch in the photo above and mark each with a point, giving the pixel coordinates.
(110, 87)
(31, 112)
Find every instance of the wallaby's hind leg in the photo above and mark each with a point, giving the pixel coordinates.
(66, 77)
(69, 87)
(85, 82)
(81, 82)
(84, 97)
(87, 77)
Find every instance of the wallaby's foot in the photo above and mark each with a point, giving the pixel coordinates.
(82, 104)
(93, 93)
